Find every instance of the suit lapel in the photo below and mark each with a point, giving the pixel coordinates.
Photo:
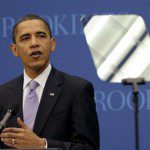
(17, 90)
(50, 96)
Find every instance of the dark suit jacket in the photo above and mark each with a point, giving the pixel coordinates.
(68, 119)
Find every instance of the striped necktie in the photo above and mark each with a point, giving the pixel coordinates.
(31, 105)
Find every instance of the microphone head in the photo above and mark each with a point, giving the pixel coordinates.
(13, 109)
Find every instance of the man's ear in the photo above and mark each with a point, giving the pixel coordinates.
(14, 49)
(53, 44)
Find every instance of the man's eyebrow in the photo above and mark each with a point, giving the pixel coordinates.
(26, 34)
(41, 32)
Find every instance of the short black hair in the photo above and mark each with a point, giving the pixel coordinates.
(29, 17)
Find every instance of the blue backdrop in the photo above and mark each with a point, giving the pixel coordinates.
(114, 101)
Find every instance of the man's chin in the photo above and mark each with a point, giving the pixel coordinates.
(38, 67)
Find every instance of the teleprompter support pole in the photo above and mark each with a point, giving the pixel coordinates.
(135, 82)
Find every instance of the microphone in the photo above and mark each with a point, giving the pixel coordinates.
(10, 112)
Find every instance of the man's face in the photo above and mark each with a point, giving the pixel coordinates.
(33, 44)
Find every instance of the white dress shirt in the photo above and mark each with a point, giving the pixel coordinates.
(41, 79)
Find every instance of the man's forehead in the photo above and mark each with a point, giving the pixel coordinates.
(31, 26)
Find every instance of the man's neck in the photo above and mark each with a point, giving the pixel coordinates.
(33, 73)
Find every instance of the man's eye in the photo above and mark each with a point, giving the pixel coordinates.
(41, 36)
(24, 38)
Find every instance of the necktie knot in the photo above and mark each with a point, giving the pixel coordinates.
(33, 85)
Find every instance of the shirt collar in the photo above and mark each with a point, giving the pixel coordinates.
(41, 79)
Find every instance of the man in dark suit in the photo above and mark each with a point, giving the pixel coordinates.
(66, 116)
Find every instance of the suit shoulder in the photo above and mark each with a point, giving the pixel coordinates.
(73, 80)
(10, 83)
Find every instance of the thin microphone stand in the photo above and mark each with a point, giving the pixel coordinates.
(135, 82)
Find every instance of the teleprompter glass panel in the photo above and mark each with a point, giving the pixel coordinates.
(119, 45)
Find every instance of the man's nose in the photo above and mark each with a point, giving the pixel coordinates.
(34, 42)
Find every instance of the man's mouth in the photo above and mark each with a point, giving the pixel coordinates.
(35, 54)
